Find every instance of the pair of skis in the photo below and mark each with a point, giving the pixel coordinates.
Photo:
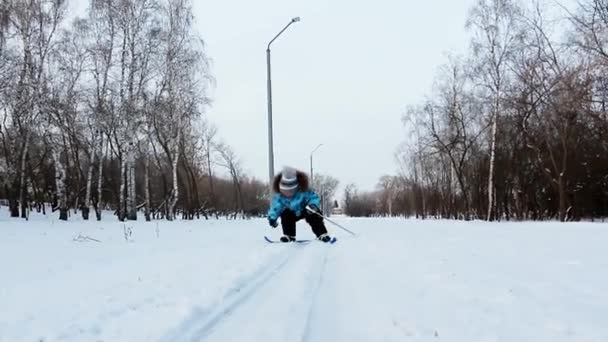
(269, 240)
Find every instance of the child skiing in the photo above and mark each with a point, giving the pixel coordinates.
(292, 202)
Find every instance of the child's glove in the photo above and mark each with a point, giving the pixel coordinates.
(273, 222)
(313, 209)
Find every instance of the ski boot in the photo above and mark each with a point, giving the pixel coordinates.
(287, 238)
(325, 238)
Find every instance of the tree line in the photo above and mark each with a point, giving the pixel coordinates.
(106, 112)
(517, 128)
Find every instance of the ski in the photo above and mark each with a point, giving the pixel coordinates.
(269, 240)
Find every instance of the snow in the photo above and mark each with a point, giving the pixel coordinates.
(217, 280)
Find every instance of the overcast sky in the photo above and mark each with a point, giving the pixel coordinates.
(343, 76)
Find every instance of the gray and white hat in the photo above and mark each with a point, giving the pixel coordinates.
(289, 179)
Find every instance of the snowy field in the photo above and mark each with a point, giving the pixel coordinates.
(401, 280)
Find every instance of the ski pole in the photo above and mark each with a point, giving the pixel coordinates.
(330, 221)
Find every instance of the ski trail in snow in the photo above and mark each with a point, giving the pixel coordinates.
(353, 297)
(311, 309)
(279, 309)
(200, 322)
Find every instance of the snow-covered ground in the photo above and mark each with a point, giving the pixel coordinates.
(400, 280)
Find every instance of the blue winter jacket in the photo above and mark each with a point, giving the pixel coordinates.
(297, 203)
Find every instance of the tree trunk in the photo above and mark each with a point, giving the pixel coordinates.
(467, 204)
(211, 191)
(519, 214)
(423, 199)
(73, 148)
(492, 161)
(14, 207)
(100, 182)
(22, 178)
(562, 198)
(131, 195)
(193, 193)
(239, 194)
(87, 197)
(175, 194)
(123, 181)
(147, 188)
(60, 177)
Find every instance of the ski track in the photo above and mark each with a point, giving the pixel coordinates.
(201, 322)
(357, 303)
(282, 307)
(273, 305)
(313, 302)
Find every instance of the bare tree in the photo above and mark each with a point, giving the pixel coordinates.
(560, 94)
(5, 13)
(229, 160)
(452, 130)
(34, 25)
(326, 187)
(495, 33)
(209, 135)
(590, 36)
(179, 97)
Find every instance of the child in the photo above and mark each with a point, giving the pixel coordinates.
(290, 201)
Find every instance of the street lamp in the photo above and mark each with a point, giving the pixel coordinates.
(270, 138)
(311, 153)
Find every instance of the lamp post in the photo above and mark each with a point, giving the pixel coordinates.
(311, 170)
(270, 137)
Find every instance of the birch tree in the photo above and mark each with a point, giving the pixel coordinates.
(34, 25)
(494, 33)
(180, 90)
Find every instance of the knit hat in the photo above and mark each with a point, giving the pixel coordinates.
(289, 179)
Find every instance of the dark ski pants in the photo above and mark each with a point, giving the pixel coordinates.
(289, 219)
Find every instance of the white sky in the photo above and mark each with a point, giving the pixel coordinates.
(343, 76)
